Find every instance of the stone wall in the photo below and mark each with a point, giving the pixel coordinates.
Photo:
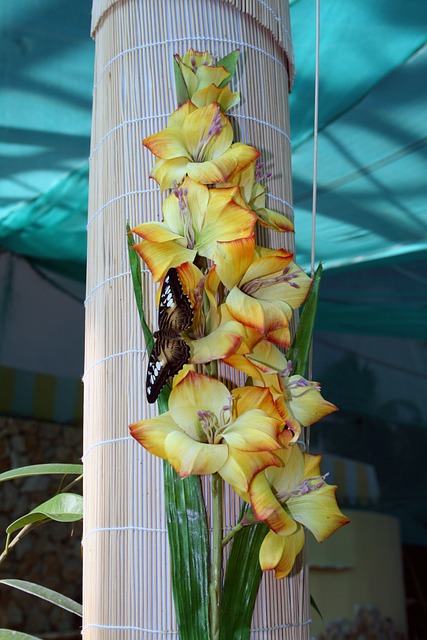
(50, 554)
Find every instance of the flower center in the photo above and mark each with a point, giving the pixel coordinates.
(214, 426)
(307, 385)
(199, 322)
(214, 130)
(306, 486)
(195, 65)
(185, 213)
(260, 174)
(258, 283)
(300, 383)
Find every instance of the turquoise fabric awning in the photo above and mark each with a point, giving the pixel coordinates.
(372, 204)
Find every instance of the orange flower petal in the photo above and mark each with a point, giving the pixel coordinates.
(253, 431)
(232, 259)
(267, 318)
(294, 291)
(246, 155)
(200, 143)
(267, 358)
(179, 116)
(196, 392)
(224, 97)
(279, 552)
(187, 456)
(159, 257)
(167, 144)
(260, 397)
(267, 265)
(272, 550)
(156, 232)
(267, 508)
(219, 169)
(217, 345)
(318, 511)
(240, 468)
(274, 220)
(153, 432)
(305, 403)
(168, 172)
(281, 337)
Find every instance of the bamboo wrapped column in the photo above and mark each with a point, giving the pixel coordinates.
(127, 590)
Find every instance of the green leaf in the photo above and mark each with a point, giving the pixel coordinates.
(241, 582)
(8, 634)
(189, 544)
(46, 594)
(189, 547)
(180, 86)
(135, 267)
(42, 469)
(65, 507)
(315, 607)
(229, 62)
(301, 344)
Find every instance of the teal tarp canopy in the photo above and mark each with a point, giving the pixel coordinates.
(372, 205)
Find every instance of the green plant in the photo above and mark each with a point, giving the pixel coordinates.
(64, 506)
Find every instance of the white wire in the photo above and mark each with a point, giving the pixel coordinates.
(313, 217)
(314, 196)
(315, 139)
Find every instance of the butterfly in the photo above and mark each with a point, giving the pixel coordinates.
(170, 352)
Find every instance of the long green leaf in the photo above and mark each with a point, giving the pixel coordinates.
(188, 542)
(8, 634)
(42, 469)
(65, 507)
(46, 594)
(135, 267)
(315, 607)
(189, 547)
(301, 344)
(241, 583)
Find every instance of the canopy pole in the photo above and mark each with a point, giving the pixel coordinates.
(127, 590)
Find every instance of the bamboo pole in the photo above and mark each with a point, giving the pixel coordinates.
(127, 589)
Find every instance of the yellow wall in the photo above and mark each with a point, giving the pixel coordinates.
(360, 564)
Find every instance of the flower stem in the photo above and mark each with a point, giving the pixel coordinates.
(232, 533)
(216, 557)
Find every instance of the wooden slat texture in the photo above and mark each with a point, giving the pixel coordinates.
(127, 590)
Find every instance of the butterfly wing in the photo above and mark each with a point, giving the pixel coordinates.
(170, 351)
(175, 310)
(167, 358)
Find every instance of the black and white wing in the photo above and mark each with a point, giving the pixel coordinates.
(170, 351)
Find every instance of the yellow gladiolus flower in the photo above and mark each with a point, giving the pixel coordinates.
(253, 194)
(211, 337)
(196, 59)
(199, 220)
(271, 287)
(209, 429)
(197, 142)
(288, 498)
(299, 401)
(203, 80)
